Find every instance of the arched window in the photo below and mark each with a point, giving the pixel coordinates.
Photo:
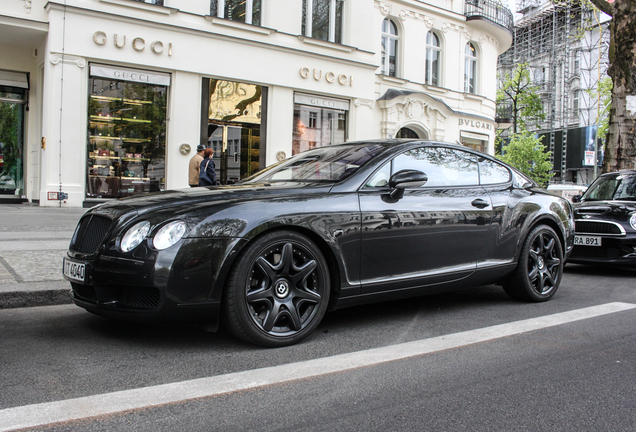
(433, 57)
(470, 68)
(389, 47)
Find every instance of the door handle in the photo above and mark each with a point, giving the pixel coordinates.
(480, 203)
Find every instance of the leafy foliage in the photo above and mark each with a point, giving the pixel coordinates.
(526, 153)
(526, 103)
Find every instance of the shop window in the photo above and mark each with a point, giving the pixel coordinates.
(126, 137)
(245, 11)
(470, 68)
(389, 48)
(433, 57)
(318, 125)
(322, 19)
(12, 107)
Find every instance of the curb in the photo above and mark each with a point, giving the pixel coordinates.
(30, 294)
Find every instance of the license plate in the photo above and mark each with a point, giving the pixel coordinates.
(75, 271)
(580, 240)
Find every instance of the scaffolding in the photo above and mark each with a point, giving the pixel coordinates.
(566, 47)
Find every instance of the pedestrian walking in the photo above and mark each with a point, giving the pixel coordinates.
(207, 175)
(195, 162)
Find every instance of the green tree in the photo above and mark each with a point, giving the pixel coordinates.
(517, 88)
(528, 155)
(620, 147)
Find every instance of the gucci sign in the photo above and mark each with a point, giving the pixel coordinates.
(330, 77)
(138, 44)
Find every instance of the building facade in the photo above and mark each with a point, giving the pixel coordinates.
(103, 99)
(566, 47)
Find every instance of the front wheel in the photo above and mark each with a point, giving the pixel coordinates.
(540, 267)
(278, 290)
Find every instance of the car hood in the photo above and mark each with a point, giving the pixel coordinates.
(611, 210)
(180, 200)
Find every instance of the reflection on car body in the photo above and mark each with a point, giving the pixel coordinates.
(332, 227)
(606, 221)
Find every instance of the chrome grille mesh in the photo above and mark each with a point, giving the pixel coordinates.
(90, 234)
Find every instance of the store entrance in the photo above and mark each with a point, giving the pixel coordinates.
(236, 150)
(12, 106)
(233, 117)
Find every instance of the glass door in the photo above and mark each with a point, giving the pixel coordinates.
(236, 150)
(12, 103)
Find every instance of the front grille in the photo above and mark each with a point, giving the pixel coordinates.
(595, 252)
(123, 297)
(90, 234)
(589, 227)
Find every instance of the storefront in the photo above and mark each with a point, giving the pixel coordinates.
(126, 145)
(14, 88)
(318, 122)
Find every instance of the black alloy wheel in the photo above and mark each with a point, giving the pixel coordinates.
(278, 290)
(540, 267)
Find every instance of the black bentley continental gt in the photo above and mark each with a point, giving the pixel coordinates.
(329, 228)
(606, 221)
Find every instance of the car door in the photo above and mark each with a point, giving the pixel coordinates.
(433, 234)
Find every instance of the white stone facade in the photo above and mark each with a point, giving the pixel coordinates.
(56, 42)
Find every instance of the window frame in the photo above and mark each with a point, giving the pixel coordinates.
(470, 63)
(428, 77)
(308, 21)
(249, 11)
(385, 64)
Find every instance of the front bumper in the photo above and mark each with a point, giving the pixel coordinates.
(181, 284)
(613, 250)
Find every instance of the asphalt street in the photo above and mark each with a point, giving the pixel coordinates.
(573, 375)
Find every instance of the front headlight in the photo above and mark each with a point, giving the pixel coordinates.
(169, 234)
(632, 221)
(134, 236)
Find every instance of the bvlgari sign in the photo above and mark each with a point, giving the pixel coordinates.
(476, 124)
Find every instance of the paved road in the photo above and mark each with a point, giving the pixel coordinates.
(568, 374)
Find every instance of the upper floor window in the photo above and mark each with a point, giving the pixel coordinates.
(245, 11)
(389, 47)
(433, 56)
(155, 2)
(470, 68)
(322, 19)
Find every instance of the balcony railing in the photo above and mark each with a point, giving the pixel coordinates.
(491, 11)
(503, 115)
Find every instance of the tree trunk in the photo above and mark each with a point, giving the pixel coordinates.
(620, 149)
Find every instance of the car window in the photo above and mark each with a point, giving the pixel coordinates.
(614, 187)
(443, 166)
(491, 172)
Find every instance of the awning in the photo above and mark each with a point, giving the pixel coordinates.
(14, 79)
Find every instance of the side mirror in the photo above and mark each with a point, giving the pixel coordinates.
(405, 179)
(577, 198)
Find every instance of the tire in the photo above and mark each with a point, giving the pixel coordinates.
(278, 290)
(540, 268)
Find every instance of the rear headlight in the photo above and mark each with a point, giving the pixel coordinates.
(134, 236)
(169, 234)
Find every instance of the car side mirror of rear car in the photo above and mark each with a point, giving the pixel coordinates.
(577, 198)
(405, 179)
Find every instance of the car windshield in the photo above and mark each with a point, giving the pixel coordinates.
(325, 164)
(614, 187)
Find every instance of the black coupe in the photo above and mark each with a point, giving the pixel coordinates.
(606, 221)
(328, 228)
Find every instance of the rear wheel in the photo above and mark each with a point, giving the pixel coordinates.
(278, 290)
(540, 267)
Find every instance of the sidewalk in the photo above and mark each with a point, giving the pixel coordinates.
(33, 241)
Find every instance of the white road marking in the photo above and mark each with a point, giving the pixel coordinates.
(109, 403)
